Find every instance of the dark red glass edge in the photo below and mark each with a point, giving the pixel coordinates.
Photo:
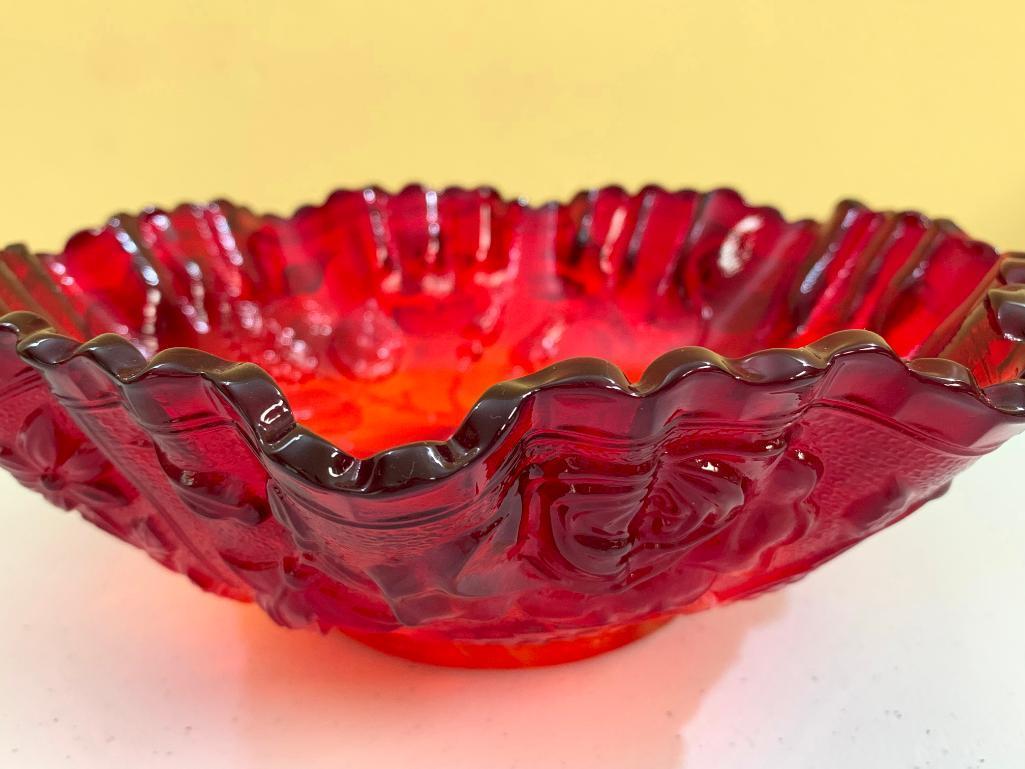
(263, 407)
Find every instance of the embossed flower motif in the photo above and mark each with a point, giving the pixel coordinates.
(393, 500)
(690, 501)
(217, 496)
(610, 525)
(67, 470)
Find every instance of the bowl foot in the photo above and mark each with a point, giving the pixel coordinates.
(496, 654)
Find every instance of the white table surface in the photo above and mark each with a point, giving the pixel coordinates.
(908, 651)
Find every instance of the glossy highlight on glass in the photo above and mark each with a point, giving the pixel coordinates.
(471, 431)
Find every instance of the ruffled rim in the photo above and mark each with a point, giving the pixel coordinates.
(263, 407)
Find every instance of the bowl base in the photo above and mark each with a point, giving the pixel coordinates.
(497, 654)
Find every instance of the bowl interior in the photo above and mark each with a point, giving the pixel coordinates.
(384, 317)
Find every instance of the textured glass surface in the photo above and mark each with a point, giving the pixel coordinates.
(423, 459)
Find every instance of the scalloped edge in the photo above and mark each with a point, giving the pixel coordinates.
(262, 406)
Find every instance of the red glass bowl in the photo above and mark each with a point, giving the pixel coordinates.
(466, 430)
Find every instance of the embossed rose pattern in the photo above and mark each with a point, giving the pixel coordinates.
(577, 499)
(66, 469)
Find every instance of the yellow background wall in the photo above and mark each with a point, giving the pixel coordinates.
(119, 105)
